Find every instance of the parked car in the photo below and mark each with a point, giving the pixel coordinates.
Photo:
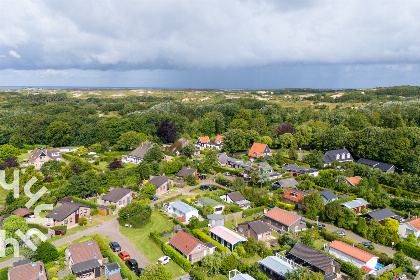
(138, 271)
(204, 187)
(163, 260)
(368, 245)
(60, 232)
(132, 264)
(417, 267)
(213, 188)
(226, 174)
(115, 247)
(124, 256)
(321, 226)
(340, 232)
(153, 197)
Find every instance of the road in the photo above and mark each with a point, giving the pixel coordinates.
(360, 239)
(109, 228)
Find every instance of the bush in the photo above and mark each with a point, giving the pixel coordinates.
(230, 263)
(197, 273)
(410, 249)
(59, 227)
(46, 252)
(352, 270)
(85, 202)
(4, 274)
(205, 238)
(251, 211)
(219, 178)
(136, 214)
(94, 212)
(191, 180)
(41, 228)
(156, 238)
(219, 169)
(176, 257)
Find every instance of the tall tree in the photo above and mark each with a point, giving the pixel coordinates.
(8, 151)
(58, 133)
(167, 131)
(285, 127)
(156, 272)
(154, 153)
(130, 140)
(51, 168)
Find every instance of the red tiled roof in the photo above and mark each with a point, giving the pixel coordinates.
(185, 242)
(28, 271)
(351, 251)
(415, 223)
(115, 276)
(204, 139)
(354, 180)
(298, 198)
(84, 251)
(257, 150)
(219, 138)
(282, 216)
(23, 212)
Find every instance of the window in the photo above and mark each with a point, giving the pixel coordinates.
(260, 236)
(65, 222)
(241, 229)
(338, 157)
(199, 247)
(71, 220)
(296, 228)
(348, 155)
(343, 156)
(119, 202)
(85, 211)
(124, 201)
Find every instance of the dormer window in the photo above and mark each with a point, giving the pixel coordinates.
(256, 154)
(199, 247)
(343, 156)
(338, 157)
(94, 255)
(348, 155)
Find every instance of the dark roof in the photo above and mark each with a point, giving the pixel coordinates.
(257, 226)
(116, 194)
(85, 251)
(103, 207)
(65, 210)
(66, 199)
(22, 262)
(184, 172)
(210, 245)
(28, 271)
(112, 266)
(141, 150)
(328, 194)
(296, 168)
(384, 167)
(381, 214)
(236, 196)
(311, 256)
(331, 156)
(85, 266)
(299, 191)
(159, 180)
(286, 183)
(331, 276)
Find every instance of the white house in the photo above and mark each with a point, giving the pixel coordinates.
(68, 149)
(236, 198)
(410, 227)
(182, 209)
(353, 255)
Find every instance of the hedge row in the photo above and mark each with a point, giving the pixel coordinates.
(343, 200)
(285, 206)
(400, 192)
(205, 238)
(107, 253)
(41, 228)
(251, 211)
(352, 270)
(219, 169)
(89, 203)
(410, 249)
(302, 164)
(176, 257)
(170, 198)
(59, 227)
(203, 224)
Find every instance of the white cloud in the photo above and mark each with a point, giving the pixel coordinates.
(14, 54)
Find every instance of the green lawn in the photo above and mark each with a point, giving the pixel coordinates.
(319, 243)
(23, 156)
(178, 198)
(218, 192)
(253, 259)
(74, 230)
(232, 223)
(140, 238)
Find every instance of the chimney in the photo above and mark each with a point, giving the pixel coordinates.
(41, 272)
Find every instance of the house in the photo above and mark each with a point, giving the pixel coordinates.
(328, 196)
(23, 212)
(222, 159)
(276, 267)
(219, 139)
(285, 183)
(119, 197)
(27, 270)
(161, 183)
(410, 227)
(263, 167)
(242, 276)
(351, 254)
(182, 210)
(259, 150)
(384, 167)
(236, 198)
(257, 229)
(226, 237)
(39, 156)
(353, 181)
(202, 142)
(177, 146)
(316, 260)
(68, 149)
(284, 220)
(294, 196)
(189, 247)
(84, 258)
(381, 214)
(67, 214)
(357, 205)
(342, 155)
(207, 201)
(296, 170)
(184, 172)
(137, 155)
(216, 220)
(112, 268)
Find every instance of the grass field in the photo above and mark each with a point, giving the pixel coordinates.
(140, 238)
(75, 229)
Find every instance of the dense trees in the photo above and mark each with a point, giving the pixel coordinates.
(136, 214)
(58, 133)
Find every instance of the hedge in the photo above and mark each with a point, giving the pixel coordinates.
(288, 207)
(197, 274)
(203, 224)
(176, 257)
(4, 274)
(302, 164)
(89, 203)
(410, 249)
(400, 192)
(107, 253)
(251, 211)
(343, 200)
(205, 238)
(352, 270)
(41, 228)
(59, 227)
(219, 169)
(155, 238)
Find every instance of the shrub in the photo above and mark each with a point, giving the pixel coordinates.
(251, 211)
(410, 249)
(352, 270)
(205, 238)
(230, 263)
(136, 214)
(59, 227)
(4, 274)
(176, 257)
(41, 228)
(85, 202)
(197, 273)
(46, 252)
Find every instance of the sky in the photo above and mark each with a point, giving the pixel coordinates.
(234, 44)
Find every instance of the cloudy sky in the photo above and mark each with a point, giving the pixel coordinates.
(210, 43)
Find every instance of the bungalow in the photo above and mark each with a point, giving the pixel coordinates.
(353, 181)
(328, 196)
(236, 198)
(84, 258)
(216, 220)
(285, 183)
(119, 197)
(284, 220)
(189, 247)
(226, 237)
(184, 172)
(202, 142)
(296, 170)
(27, 270)
(352, 254)
(294, 196)
(357, 205)
(39, 156)
(384, 167)
(23, 212)
(342, 155)
(67, 214)
(137, 155)
(161, 183)
(265, 168)
(276, 267)
(381, 214)
(182, 210)
(207, 201)
(316, 260)
(259, 150)
(257, 229)
(410, 227)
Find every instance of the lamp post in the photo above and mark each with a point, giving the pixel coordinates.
(317, 220)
